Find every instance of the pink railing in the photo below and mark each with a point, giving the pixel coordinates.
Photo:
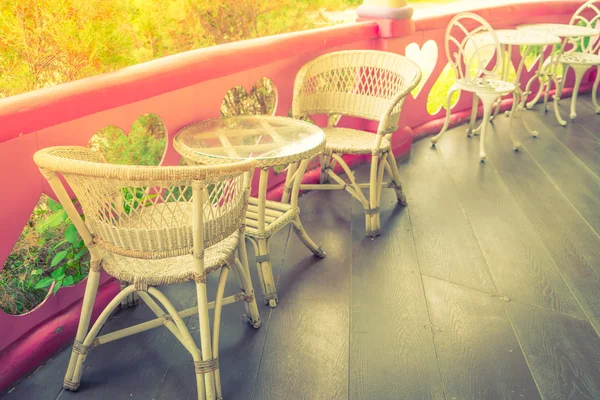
(181, 89)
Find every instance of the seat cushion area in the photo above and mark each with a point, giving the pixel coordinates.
(488, 86)
(580, 59)
(352, 141)
(169, 270)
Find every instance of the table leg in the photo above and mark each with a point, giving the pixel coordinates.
(520, 97)
(287, 188)
(505, 71)
(298, 228)
(540, 77)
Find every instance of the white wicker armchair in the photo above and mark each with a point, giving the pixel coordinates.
(360, 83)
(153, 226)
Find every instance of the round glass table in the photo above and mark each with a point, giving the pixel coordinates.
(548, 68)
(271, 142)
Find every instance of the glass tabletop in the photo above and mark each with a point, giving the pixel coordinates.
(248, 137)
(562, 30)
(524, 37)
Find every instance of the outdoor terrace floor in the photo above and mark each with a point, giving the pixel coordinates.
(487, 286)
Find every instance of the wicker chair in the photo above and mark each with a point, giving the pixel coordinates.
(587, 57)
(152, 226)
(360, 83)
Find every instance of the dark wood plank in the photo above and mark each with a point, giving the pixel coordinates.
(306, 352)
(587, 117)
(392, 355)
(562, 352)
(576, 136)
(445, 242)
(579, 184)
(240, 346)
(478, 353)
(518, 261)
(131, 367)
(45, 383)
(572, 244)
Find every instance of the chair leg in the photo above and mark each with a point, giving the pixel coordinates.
(246, 283)
(473, 115)
(303, 236)
(547, 91)
(563, 78)
(325, 164)
(396, 178)
(132, 300)
(579, 72)
(372, 214)
(217, 327)
(265, 271)
(89, 297)
(246, 286)
(595, 91)
(488, 102)
(204, 371)
(81, 347)
(513, 112)
(437, 137)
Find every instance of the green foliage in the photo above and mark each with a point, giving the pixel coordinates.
(45, 42)
(48, 251)
(260, 101)
(145, 144)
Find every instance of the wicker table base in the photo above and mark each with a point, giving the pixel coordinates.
(277, 215)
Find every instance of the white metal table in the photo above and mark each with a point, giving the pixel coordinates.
(548, 68)
(529, 39)
(270, 141)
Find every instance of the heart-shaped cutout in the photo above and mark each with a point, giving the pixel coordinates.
(533, 56)
(144, 145)
(426, 58)
(439, 91)
(261, 100)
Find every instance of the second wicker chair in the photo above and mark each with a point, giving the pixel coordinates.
(366, 84)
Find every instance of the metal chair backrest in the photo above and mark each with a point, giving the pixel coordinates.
(471, 47)
(147, 212)
(588, 15)
(367, 84)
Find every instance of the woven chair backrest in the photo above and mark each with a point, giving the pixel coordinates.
(588, 15)
(147, 212)
(471, 47)
(361, 83)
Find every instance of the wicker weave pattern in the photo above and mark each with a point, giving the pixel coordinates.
(365, 83)
(352, 141)
(171, 270)
(146, 212)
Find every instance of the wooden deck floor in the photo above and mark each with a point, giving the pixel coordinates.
(487, 286)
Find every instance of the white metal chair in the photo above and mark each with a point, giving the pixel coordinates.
(365, 84)
(587, 57)
(152, 226)
(471, 48)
